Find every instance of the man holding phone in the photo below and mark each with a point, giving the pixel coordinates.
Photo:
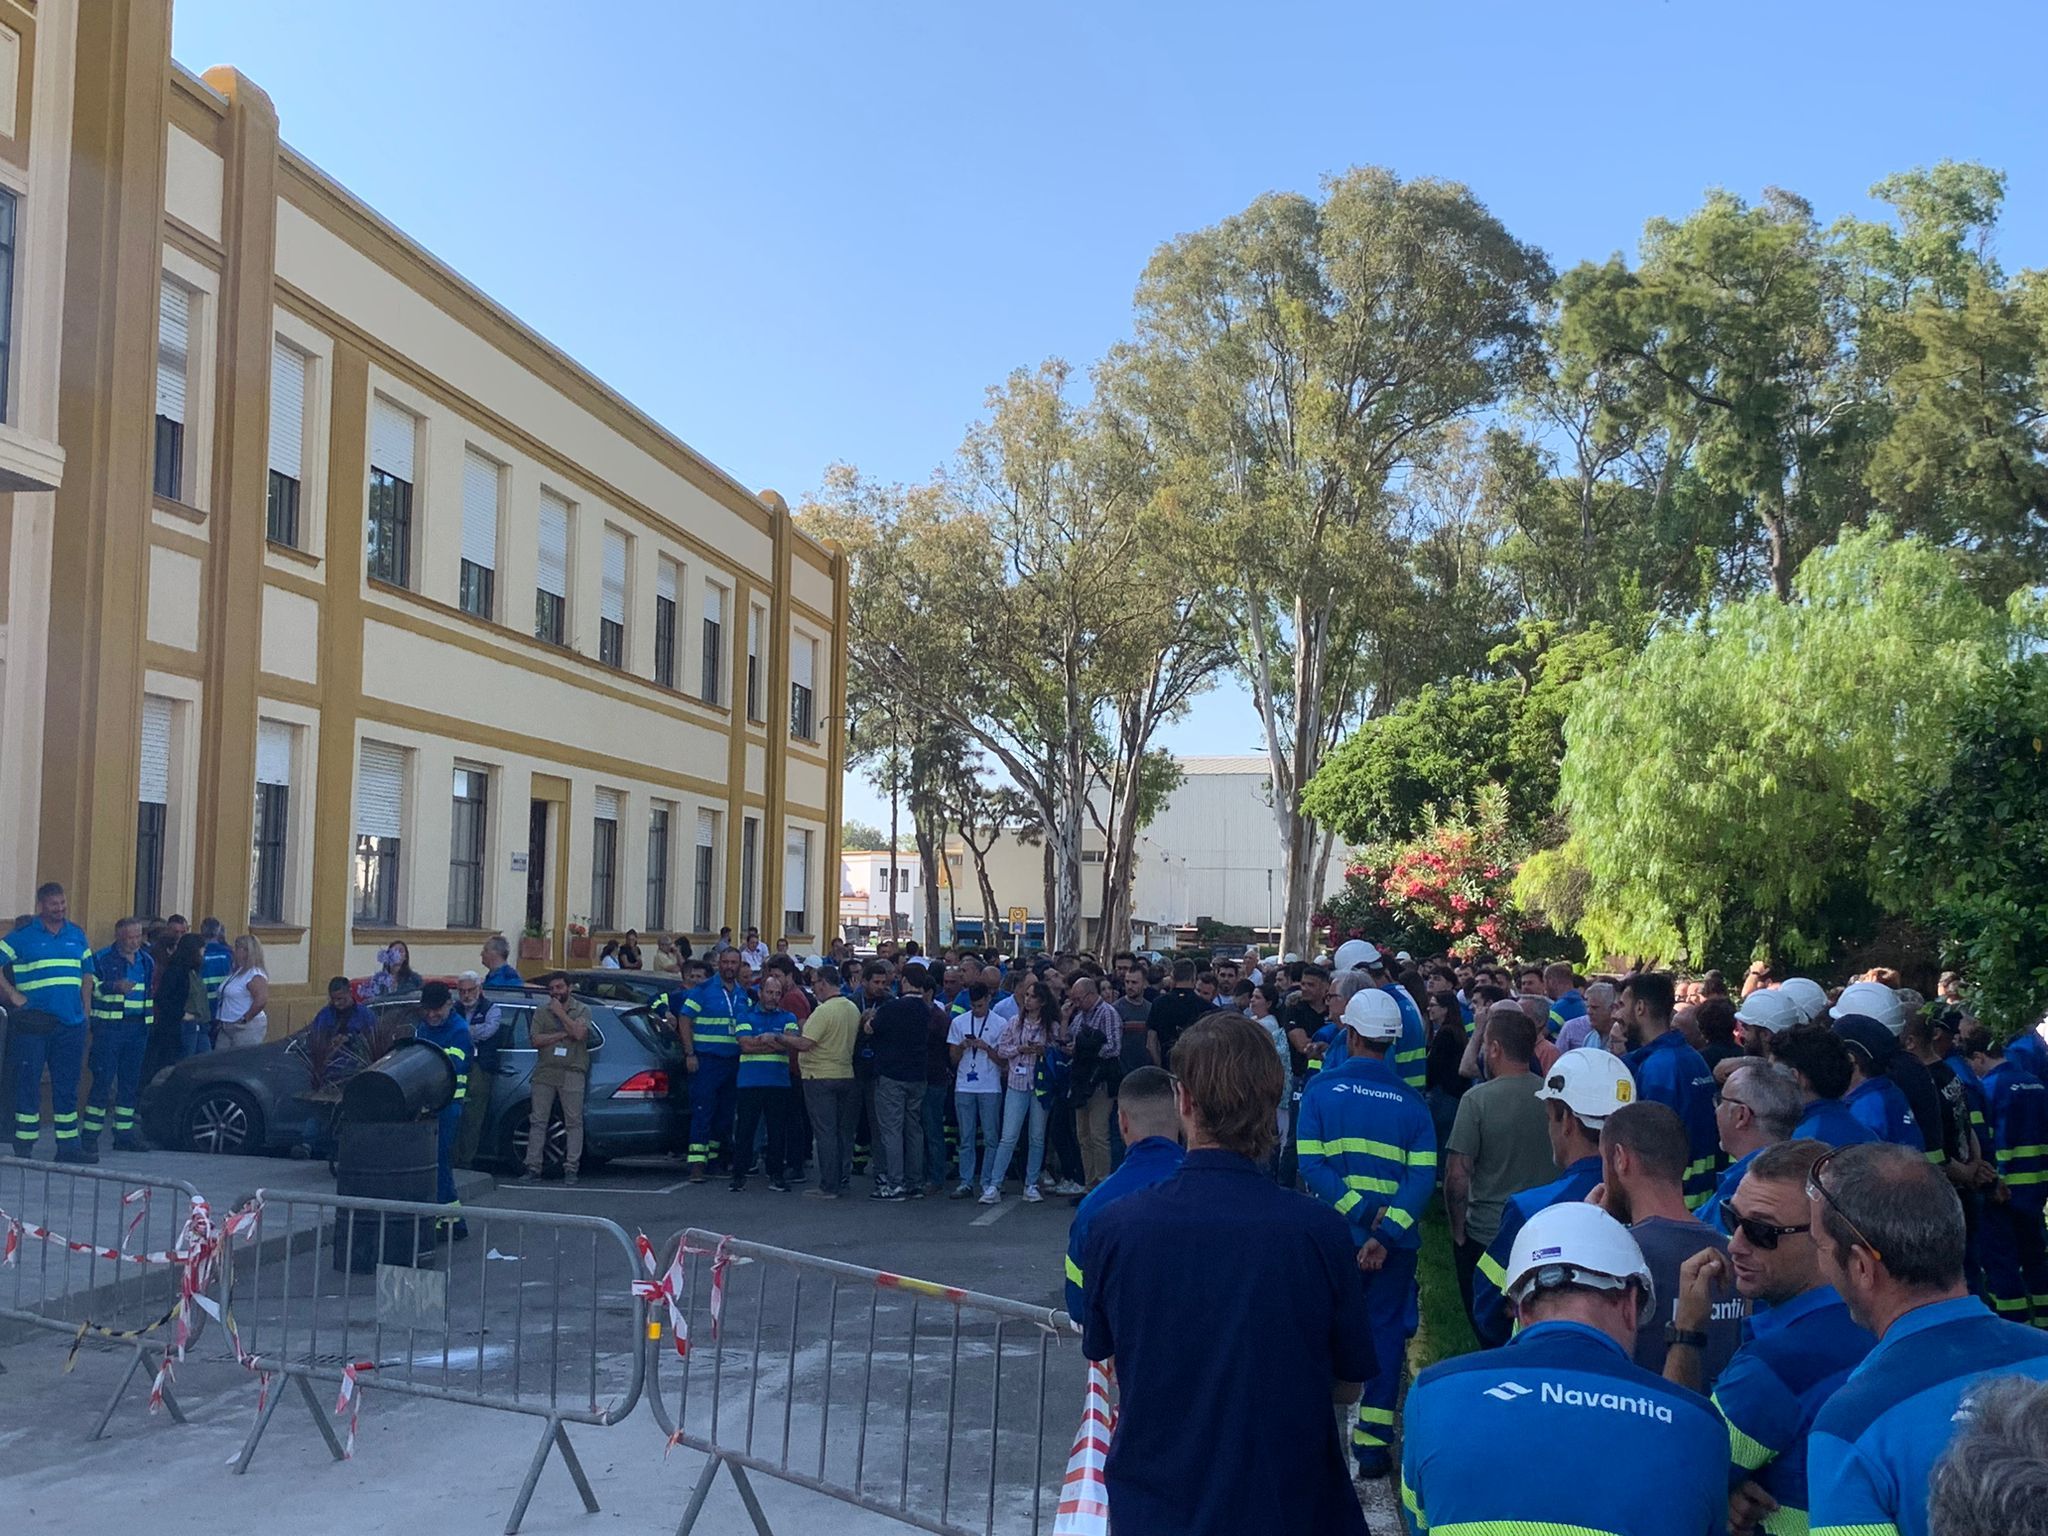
(561, 1034)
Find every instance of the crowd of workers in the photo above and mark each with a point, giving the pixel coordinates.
(1779, 1247)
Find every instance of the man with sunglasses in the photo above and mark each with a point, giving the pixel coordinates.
(1889, 1232)
(1561, 1431)
(1799, 1345)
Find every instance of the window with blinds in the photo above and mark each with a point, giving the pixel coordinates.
(667, 578)
(750, 859)
(796, 883)
(657, 868)
(754, 622)
(380, 816)
(611, 628)
(551, 576)
(714, 632)
(604, 862)
(803, 661)
(273, 821)
(394, 439)
(288, 370)
(173, 381)
(703, 870)
(153, 793)
(467, 828)
(481, 478)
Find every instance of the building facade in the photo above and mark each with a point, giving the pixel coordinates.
(864, 876)
(371, 615)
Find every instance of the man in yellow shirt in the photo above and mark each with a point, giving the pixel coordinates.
(831, 1093)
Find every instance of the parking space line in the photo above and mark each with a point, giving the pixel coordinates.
(990, 1217)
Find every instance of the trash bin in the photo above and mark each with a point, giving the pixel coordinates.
(411, 1081)
(384, 1162)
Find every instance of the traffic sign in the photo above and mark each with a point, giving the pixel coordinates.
(1016, 930)
(1019, 916)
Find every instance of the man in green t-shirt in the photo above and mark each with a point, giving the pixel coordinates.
(831, 1093)
(1499, 1143)
(561, 1039)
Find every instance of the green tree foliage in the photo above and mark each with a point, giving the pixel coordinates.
(1972, 848)
(1729, 790)
(858, 834)
(1441, 749)
(1291, 363)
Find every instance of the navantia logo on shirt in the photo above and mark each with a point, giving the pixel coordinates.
(1573, 1397)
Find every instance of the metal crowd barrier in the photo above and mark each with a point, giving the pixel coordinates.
(533, 1313)
(916, 1401)
(100, 1255)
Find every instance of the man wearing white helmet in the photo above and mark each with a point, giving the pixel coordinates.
(1561, 1430)
(1366, 1147)
(1581, 1089)
(1873, 1000)
(1411, 1051)
(1809, 997)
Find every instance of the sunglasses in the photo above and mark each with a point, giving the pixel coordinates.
(1760, 1233)
(1818, 1190)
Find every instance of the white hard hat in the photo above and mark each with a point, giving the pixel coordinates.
(1574, 1243)
(1591, 1082)
(1770, 1009)
(1874, 1000)
(1292, 957)
(1353, 953)
(1809, 997)
(1404, 957)
(1373, 1015)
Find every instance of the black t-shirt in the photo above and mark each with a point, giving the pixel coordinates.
(1446, 1051)
(1909, 1072)
(899, 1038)
(1137, 1017)
(1175, 1009)
(1955, 1107)
(1306, 1017)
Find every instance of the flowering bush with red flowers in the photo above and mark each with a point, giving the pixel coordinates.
(1444, 892)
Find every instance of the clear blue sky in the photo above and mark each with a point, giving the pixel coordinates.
(801, 233)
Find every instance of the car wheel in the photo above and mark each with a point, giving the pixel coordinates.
(553, 1156)
(221, 1119)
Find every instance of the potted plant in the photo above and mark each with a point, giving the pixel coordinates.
(579, 941)
(533, 943)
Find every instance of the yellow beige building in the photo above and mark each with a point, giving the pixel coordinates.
(339, 604)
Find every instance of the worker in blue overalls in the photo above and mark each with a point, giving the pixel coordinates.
(46, 981)
(124, 983)
(440, 1026)
(1366, 1147)
(2014, 1252)
(707, 1018)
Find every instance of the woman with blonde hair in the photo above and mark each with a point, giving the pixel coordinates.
(243, 998)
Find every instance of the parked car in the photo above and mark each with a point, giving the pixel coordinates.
(248, 1100)
(633, 989)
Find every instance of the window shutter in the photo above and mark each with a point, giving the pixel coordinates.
(665, 581)
(173, 350)
(796, 871)
(607, 805)
(707, 829)
(287, 408)
(714, 604)
(392, 439)
(479, 510)
(754, 632)
(802, 658)
(273, 752)
(155, 786)
(380, 790)
(553, 575)
(613, 606)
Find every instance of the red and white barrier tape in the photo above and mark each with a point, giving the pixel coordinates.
(349, 1401)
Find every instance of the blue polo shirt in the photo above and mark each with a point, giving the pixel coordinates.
(1793, 1358)
(1724, 1191)
(1146, 1163)
(49, 969)
(1669, 1071)
(504, 976)
(1882, 1108)
(1492, 1320)
(1571, 1006)
(764, 1069)
(1832, 1121)
(1230, 1306)
(1366, 1147)
(1875, 1442)
(1608, 1448)
(714, 1011)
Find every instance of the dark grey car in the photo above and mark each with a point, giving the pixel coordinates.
(248, 1100)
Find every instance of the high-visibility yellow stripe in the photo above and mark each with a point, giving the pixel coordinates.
(1518, 1528)
(72, 963)
(1368, 1148)
(1370, 1185)
(1421, 1159)
(1744, 1450)
(1400, 1218)
(1785, 1521)
(1884, 1529)
(1371, 1415)
(1360, 1435)
(2038, 1150)
(1346, 1204)
(1412, 1504)
(1495, 1275)
(1073, 1270)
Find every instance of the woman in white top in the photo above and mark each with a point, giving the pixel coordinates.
(243, 998)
